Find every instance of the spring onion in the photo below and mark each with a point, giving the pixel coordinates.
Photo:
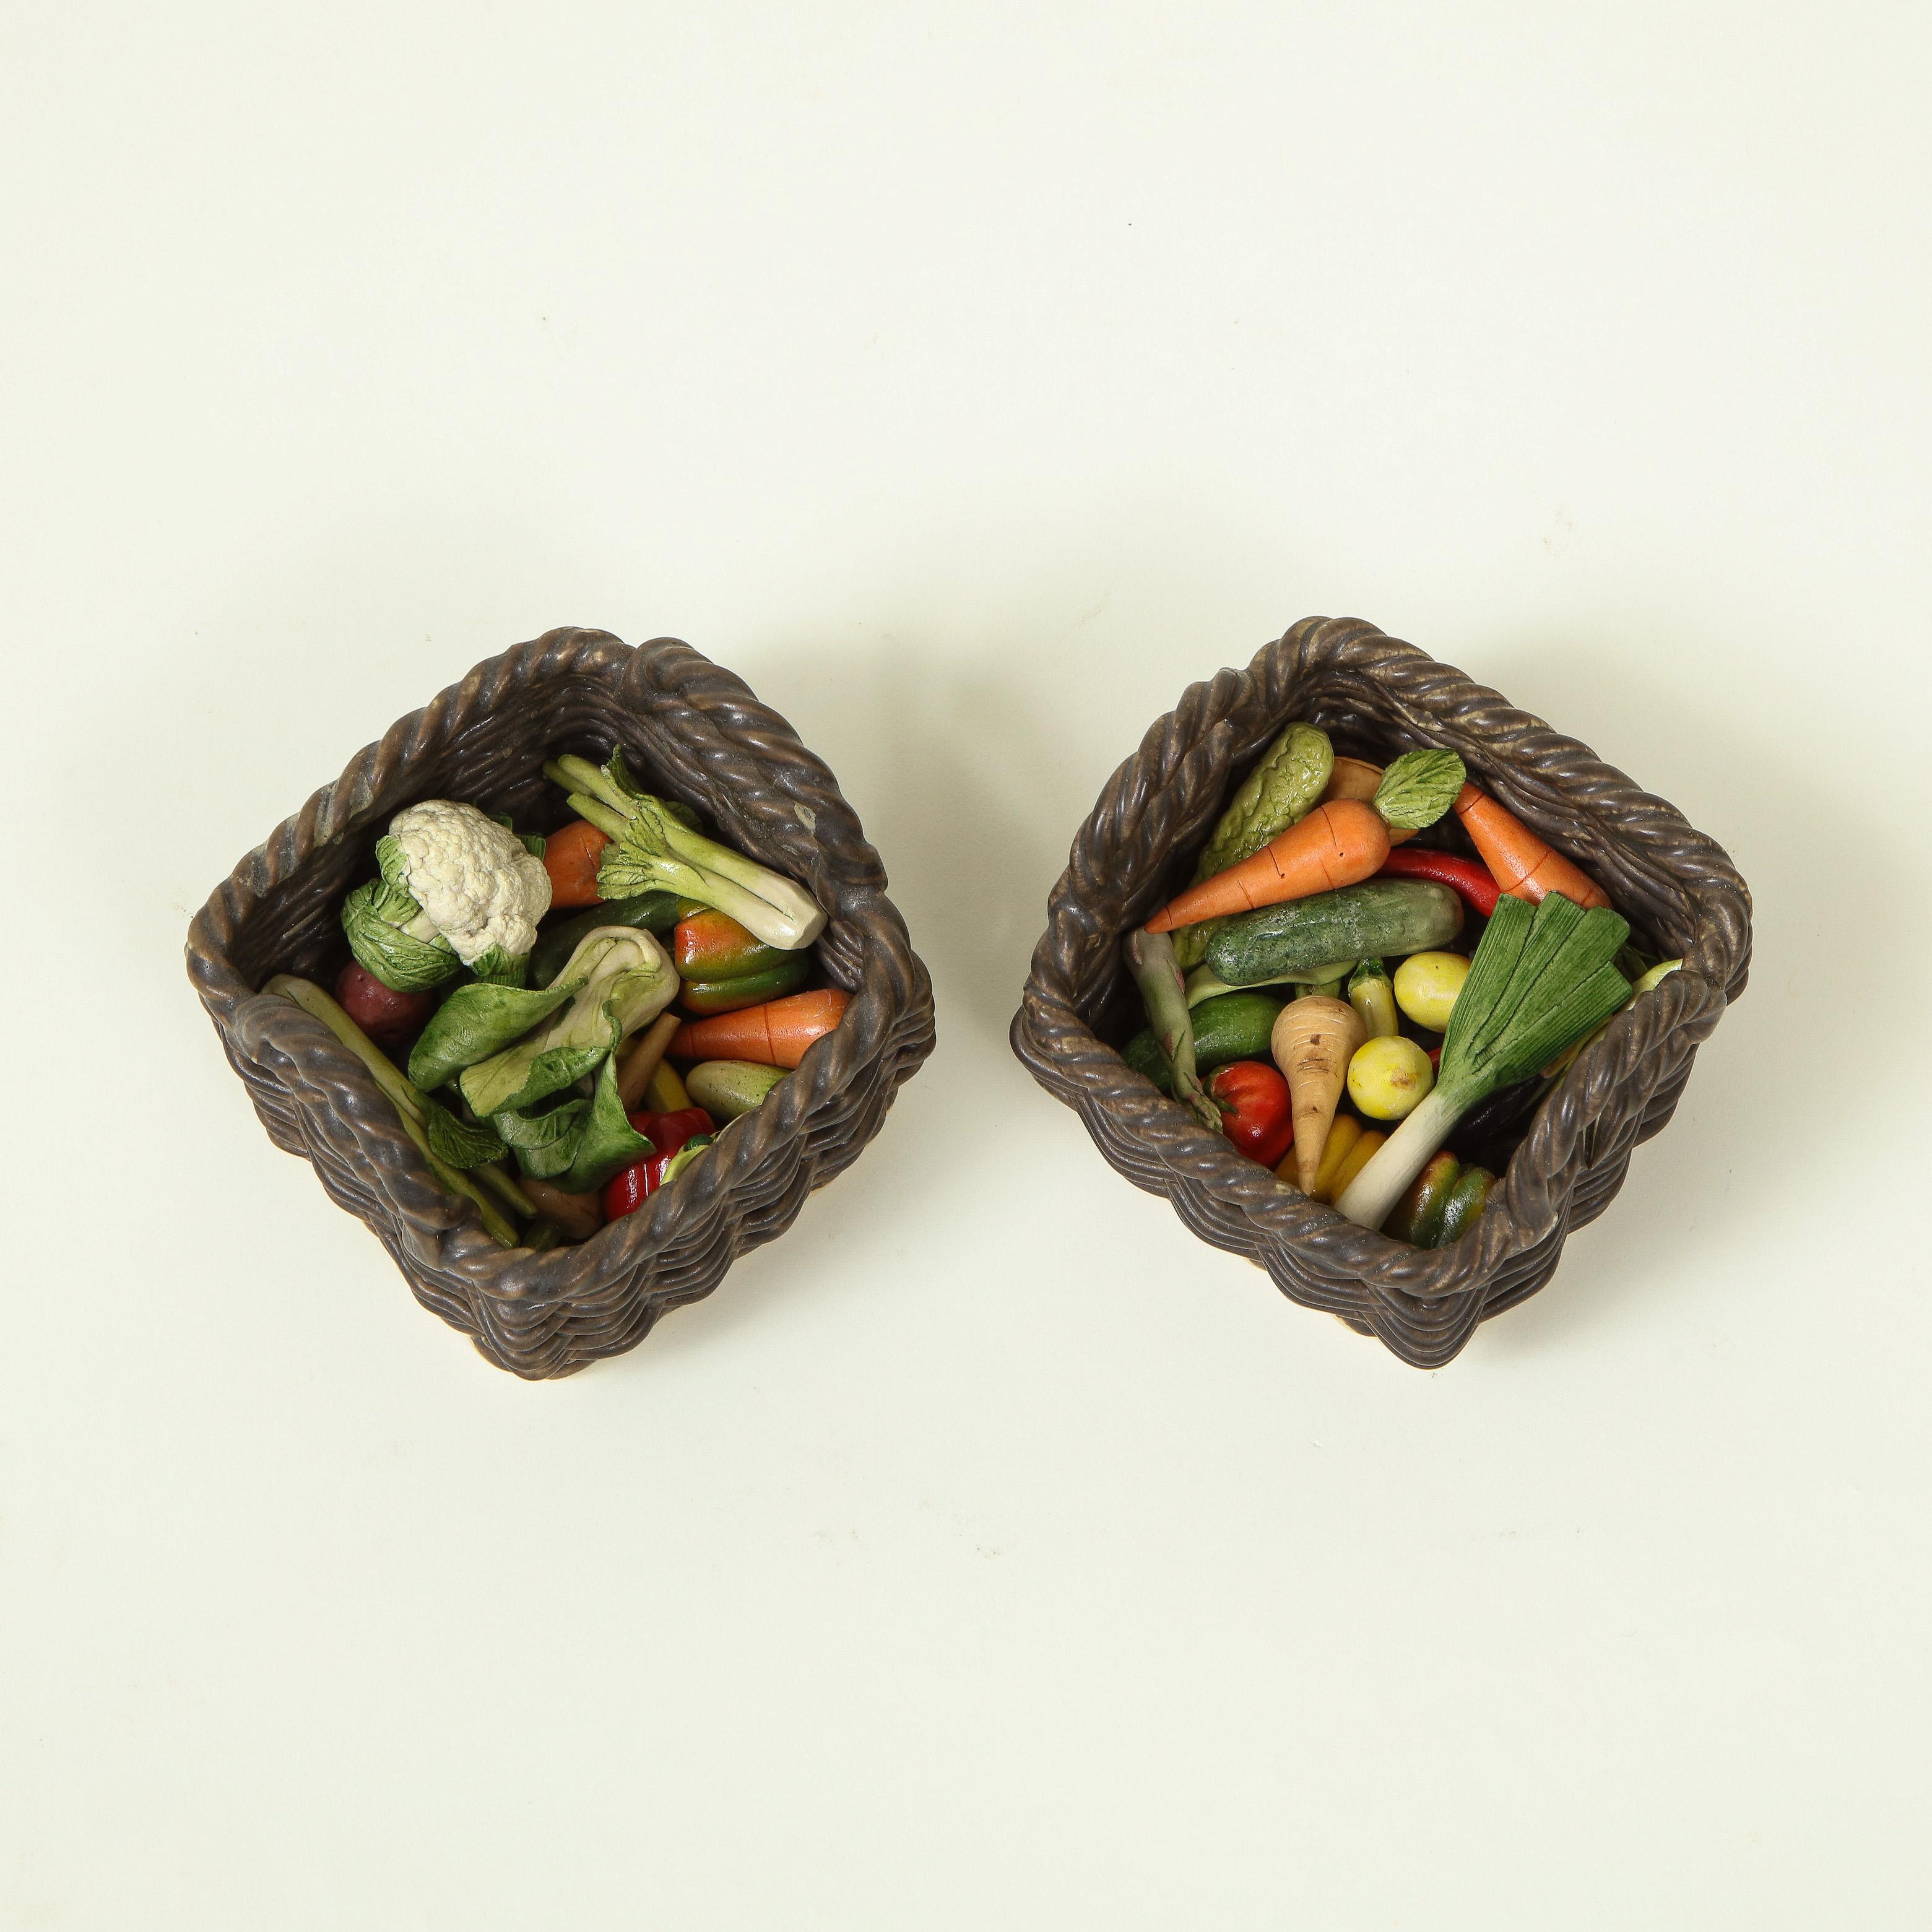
(1541, 978)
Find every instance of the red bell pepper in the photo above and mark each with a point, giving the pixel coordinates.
(630, 1187)
(1475, 883)
(1257, 1113)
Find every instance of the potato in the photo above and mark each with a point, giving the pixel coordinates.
(385, 1014)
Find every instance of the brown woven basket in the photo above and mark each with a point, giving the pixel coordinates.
(1378, 696)
(700, 736)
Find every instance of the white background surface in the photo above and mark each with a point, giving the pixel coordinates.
(988, 1551)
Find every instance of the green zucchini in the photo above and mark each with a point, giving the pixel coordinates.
(648, 912)
(1378, 919)
(1233, 1026)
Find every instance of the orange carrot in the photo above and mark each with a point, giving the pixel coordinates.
(571, 857)
(1356, 777)
(776, 1034)
(1524, 865)
(1339, 843)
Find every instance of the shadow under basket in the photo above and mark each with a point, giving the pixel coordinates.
(692, 731)
(1378, 696)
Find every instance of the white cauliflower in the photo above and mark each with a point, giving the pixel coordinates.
(478, 887)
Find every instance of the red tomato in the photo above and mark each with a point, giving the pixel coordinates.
(384, 1014)
(630, 1187)
(1257, 1113)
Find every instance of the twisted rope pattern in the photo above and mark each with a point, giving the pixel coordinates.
(703, 736)
(1132, 854)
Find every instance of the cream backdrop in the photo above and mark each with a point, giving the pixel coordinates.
(988, 1551)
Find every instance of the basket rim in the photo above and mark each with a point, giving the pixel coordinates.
(1220, 724)
(783, 786)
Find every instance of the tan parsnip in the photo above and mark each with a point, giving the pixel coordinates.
(1313, 1042)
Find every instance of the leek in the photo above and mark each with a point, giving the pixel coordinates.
(652, 849)
(1541, 978)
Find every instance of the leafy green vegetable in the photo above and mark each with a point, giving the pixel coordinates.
(455, 1140)
(653, 847)
(546, 1139)
(653, 912)
(616, 981)
(498, 967)
(1281, 789)
(532, 842)
(608, 1141)
(375, 921)
(1540, 978)
(1418, 788)
(477, 1021)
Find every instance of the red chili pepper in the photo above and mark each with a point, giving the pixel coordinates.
(1474, 883)
(630, 1187)
(1257, 1113)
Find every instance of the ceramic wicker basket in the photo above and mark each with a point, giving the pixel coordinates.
(695, 732)
(1377, 696)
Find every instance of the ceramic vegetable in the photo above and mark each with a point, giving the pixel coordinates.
(1426, 985)
(1378, 919)
(724, 996)
(626, 1191)
(1149, 958)
(387, 1016)
(616, 981)
(1389, 1077)
(726, 1088)
(457, 888)
(653, 846)
(571, 858)
(648, 912)
(1541, 978)
(776, 1034)
(1475, 884)
(1255, 1109)
(1373, 997)
(1281, 789)
(1312, 1043)
(1336, 844)
(708, 945)
(412, 1108)
(1233, 1026)
(1525, 865)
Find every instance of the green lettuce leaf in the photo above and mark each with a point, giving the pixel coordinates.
(1418, 788)
(608, 1141)
(546, 1139)
(455, 1142)
(477, 1021)
(616, 981)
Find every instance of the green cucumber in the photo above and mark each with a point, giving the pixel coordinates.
(648, 912)
(1233, 1026)
(726, 1088)
(1464, 1207)
(1378, 919)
